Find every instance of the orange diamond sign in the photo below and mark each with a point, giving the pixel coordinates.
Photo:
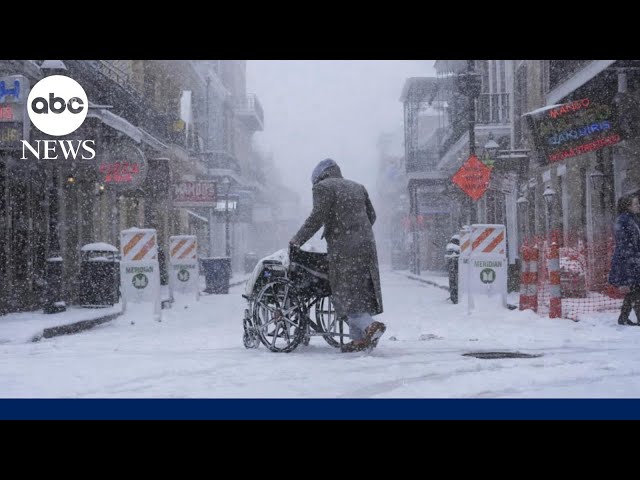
(473, 177)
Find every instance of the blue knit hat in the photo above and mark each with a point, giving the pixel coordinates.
(321, 168)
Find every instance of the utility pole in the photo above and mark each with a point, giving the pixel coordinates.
(470, 85)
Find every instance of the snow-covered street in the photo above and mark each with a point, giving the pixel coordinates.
(197, 352)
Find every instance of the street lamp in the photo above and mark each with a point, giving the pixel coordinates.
(491, 149)
(522, 201)
(597, 179)
(601, 182)
(227, 183)
(549, 196)
(491, 146)
(523, 211)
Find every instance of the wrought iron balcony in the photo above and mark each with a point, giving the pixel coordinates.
(249, 110)
(220, 159)
(111, 70)
(116, 87)
(422, 160)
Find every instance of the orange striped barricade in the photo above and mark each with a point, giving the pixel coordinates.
(139, 269)
(183, 259)
(463, 260)
(533, 271)
(525, 301)
(488, 261)
(529, 278)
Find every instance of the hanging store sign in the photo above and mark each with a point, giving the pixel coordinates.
(572, 129)
(14, 123)
(194, 194)
(124, 167)
(10, 134)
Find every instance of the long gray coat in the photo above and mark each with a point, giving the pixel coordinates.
(346, 212)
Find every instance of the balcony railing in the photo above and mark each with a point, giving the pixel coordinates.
(423, 160)
(492, 108)
(166, 126)
(248, 108)
(220, 159)
(110, 70)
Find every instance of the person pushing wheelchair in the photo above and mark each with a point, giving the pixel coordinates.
(344, 209)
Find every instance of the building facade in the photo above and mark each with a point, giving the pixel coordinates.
(169, 122)
(560, 136)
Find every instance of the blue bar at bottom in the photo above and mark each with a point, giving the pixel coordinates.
(320, 409)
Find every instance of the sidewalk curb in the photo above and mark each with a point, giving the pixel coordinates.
(434, 284)
(424, 280)
(75, 327)
(239, 282)
(231, 284)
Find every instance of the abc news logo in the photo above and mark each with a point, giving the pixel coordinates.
(58, 106)
(40, 105)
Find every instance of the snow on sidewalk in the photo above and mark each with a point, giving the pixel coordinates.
(29, 326)
(437, 279)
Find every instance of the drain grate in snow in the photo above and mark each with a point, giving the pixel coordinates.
(492, 355)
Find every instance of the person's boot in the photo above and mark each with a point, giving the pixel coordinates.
(625, 321)
(373, 333)
(354, 347)
(371, 336)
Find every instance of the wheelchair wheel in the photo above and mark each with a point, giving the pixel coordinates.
(250, 337)
(327, 321)
(279, 316)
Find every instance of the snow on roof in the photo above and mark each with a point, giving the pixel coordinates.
(117, 122)
(183, 237)
(124, 126)
(195, 215)
(139, 230)
(542, 109)
(99, 247)
(152, 141)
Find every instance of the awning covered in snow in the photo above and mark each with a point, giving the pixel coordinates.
(197, 217)
(122, 125)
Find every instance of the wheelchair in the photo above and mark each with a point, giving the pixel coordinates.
(289, 301)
